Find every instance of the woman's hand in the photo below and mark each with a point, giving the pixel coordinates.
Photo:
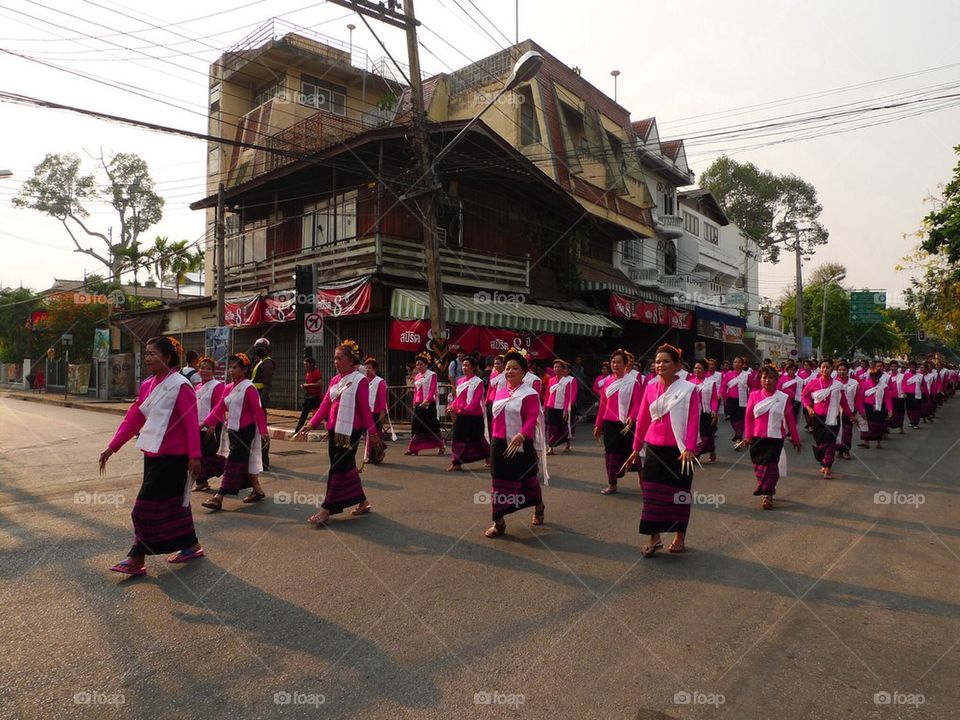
(209, 430)
(631, 461)
(193, 466)
(798, 447)
(104, 456)
(516, 443)
(596, 432)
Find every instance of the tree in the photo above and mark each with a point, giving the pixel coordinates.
(943, 224)
(17, 338)
(132, 258)
(160, 255)
(183, 262)
(774, 211)
(59, 189)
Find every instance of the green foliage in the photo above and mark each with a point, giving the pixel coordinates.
(17, 340)
(771, 210)
(935, 299)
(944, 224)
(77, 319)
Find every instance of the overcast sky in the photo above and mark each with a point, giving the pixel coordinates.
(698, 67)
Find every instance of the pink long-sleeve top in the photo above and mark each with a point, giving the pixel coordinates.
(380, 401)
(569, 398)
(804, 373)
(529, 414)
(419, 394)
(911, 388)
(251, 412)
(756, 427)
(822, 407)
(600, 382)
(459, 403)
(660, 431)
(183, 430)
(732, 392)
(362, 417)
(610, 406)
(709, 399)
(215, 397)
(866, 402)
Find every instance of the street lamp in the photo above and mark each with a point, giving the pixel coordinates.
(4, 174)
(823, 311)
(351, 27)
(616, 74)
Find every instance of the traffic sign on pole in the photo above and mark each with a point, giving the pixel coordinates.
(313, 330)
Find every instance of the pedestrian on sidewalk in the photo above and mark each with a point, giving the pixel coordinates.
(425, 426)
(262, 379)
(209, 394)
(470, 433)
(824, 401)
(313, 391)
(165, 416)
(619, 402)
(246, 431)
(667, 425)
(346, 412)
(770, 417)
(378, 406)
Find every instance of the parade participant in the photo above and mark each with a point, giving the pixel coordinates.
(666, 429)
(532, 379)
(806, 372)
(824, 400)
(377, 395)
(875, 404)
(346, 411)
(736, 390)
(792, 384)
(495, 382)
(601, 379)
(209, 393)
(517, 435)
(932, 380)
(425, 426)
(470, 432)
(312, 391)
(851, 390)
(897, 396)
(619, 402)
(246, 431)
(262, 379)
(769, 414)
(913, 394)
(561, 399)
(684, 372)
(709, 404)
(165, 416)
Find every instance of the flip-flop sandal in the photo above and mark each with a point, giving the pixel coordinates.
(362, 511)
(127, 568)
(254, 497)
(676, 549)
(182, 556)
(608, 491)
(212, 505)
(649, 551)
(205, 487)
(318, 523)
(409, 452)
(497, 530)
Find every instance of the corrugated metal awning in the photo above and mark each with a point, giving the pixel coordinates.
(486, 309)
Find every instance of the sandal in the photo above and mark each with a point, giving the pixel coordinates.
(212, 504)
(455, 468)
(674, 548)
(648, 551)
(496, 530)
(441, 451)
(767, 502)
(538, 515)
(126, 567)
(315, 518)
(363, 510)
(201, 487)
(182, 556)
(254, 497)
(411, 452)
(827, 475)
(609, 490)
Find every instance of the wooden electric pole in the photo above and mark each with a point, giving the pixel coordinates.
(220, 231)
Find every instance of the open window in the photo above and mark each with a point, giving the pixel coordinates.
(450, 222)
(529, 127)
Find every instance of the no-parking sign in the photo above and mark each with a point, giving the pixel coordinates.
(313, 330)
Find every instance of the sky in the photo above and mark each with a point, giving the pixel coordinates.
(700, 68)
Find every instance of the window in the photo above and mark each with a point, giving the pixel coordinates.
(450, 222)
(669, 252)
(691, 223)
(269, 92)
(322, 95)
(711, 233)
(573, 120)
(252, 242)
(617, 147)
(529, 127)
(331, 220)
(716, 285)
(668, 202)
(632, 250)
(233, 242)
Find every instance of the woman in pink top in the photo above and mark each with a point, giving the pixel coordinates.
(165, 415)
(468, 408)
(515, 468)
(709, 405)
(619, 402)
(897, 397)
(851, 390)
(735, 388)
(875, 403)
(246, 430)
(425, 431)
(561, 401)
(601, 380)
(209, 393)
(791, 383)
(769, 414)
(914, 390)
(377, 393)
(346, 411)
(824, 401)
(667, 425)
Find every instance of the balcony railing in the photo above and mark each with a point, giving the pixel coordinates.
(384, 256)
(317, 132)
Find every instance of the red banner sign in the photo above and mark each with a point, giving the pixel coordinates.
(641, 310)
(494, 342)
(280, 308)
(680, 319)
(350, 300)
(415, 335)
(243, 313)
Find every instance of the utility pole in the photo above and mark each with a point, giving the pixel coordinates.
(220, 231)
(799, 298)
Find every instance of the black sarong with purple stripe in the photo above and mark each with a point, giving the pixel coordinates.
(666, 491)
(876, 423)
(617, 448)
(469, 444)
(825, 436)
(896, 418)
(708, 434)
(162, 523)
(515, 479)
(914, 408)
(765, 456)
(211, 461)
(236, 470)
(558, 429)
(344, 488)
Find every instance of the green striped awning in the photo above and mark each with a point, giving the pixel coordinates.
(500, 310)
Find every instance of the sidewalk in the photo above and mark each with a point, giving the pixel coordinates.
(281, 424)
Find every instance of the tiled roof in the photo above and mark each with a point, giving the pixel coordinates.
(671, 148)
(642, 127)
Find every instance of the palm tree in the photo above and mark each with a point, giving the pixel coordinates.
(131, 258)
(183, 262)
(160, 257)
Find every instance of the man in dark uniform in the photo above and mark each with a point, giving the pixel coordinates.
(262, 379)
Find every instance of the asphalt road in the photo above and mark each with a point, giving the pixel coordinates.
(836, 604)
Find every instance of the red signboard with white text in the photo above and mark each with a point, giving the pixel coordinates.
(644, 311)
(244, 312)
(680, 319)
(415, 336)
(539, 346)
(352, 299)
